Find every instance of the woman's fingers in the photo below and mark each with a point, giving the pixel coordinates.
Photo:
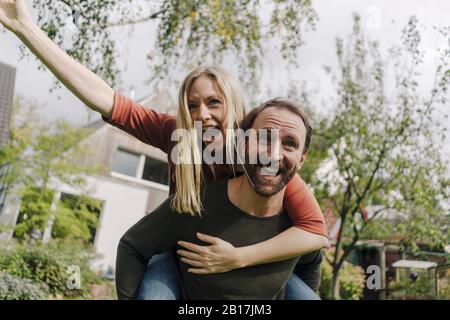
(193, 263)
(200, 271)
(208, 239)
(192, 247)
(190, 255)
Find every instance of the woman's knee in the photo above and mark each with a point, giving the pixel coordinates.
(161, 279)
(296, 289)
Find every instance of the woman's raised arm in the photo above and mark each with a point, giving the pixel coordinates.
(86, 85)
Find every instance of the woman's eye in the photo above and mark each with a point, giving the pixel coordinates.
(214, 102)
(192, 106)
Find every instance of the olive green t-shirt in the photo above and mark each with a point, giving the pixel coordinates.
(160, 231)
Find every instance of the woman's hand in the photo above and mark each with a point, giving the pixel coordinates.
(14, 14)
(220, 256)
(87, 86)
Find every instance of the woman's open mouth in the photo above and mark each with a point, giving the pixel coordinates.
(211, 133)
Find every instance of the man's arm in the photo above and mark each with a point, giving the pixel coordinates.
(308, 269)
(130, 269)
(153, 234)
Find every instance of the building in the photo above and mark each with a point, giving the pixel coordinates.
(133, 183)
(7, 81)
(8, 203)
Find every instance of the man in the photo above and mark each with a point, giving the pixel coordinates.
(243, 211)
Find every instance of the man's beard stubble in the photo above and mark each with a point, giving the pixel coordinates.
(258, 183)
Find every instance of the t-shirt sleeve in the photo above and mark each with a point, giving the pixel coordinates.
(153, 234)
(302, 207)
(146, 124)
(308, 269)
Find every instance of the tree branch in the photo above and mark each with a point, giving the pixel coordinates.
(351, 181)
(374, 215)
(343, 215)
(119, 23)
(128, 22)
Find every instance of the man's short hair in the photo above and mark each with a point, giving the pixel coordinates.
(285, 104)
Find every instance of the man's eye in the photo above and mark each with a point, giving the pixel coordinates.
(290, 144)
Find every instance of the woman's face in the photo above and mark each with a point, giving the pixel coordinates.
(207, 105)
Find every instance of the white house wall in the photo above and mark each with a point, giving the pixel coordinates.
(124, 204)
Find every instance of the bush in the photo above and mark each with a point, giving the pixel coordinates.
(444, 289)
(421, 287)
(49, 264)
(15, 288)
(76, 217)
(351, 281)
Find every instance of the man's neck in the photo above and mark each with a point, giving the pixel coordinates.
(242, 195)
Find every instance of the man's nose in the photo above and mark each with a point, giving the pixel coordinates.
(274, 151)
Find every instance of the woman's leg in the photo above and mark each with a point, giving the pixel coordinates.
(161, 279)
(296, 289)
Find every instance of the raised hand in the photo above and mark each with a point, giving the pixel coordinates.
(86, 85)
(14, 14)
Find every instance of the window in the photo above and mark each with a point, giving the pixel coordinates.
(84, 212)
(126, 163)
(140, 167)
(156, 171)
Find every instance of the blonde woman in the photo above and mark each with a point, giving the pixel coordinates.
(207, 95)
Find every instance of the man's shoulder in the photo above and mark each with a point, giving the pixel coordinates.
(164, 207)
(215, 195)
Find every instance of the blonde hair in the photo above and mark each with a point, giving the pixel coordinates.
(188, 171)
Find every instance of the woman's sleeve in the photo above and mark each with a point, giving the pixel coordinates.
(302, 207)
(147, 125)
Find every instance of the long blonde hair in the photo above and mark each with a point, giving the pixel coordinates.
(188, 171)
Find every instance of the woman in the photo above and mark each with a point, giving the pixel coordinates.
(208, 95)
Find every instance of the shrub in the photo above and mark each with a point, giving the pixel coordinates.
(49, 264)
(351, 281)
(15, 288)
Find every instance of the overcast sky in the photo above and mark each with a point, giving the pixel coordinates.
(383, 20)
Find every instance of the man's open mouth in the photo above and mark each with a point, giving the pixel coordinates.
(269, 171)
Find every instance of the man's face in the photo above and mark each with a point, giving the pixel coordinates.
(282, 144)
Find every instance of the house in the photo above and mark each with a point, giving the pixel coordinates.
(133, 180)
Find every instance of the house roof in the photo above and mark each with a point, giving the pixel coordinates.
(414, 264)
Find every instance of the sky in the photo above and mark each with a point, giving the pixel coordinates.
(383, 20)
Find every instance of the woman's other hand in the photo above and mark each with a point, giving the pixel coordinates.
(218, 257)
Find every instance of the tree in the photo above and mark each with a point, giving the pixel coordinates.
(38, 154)
(188, 33)
(386, 141)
